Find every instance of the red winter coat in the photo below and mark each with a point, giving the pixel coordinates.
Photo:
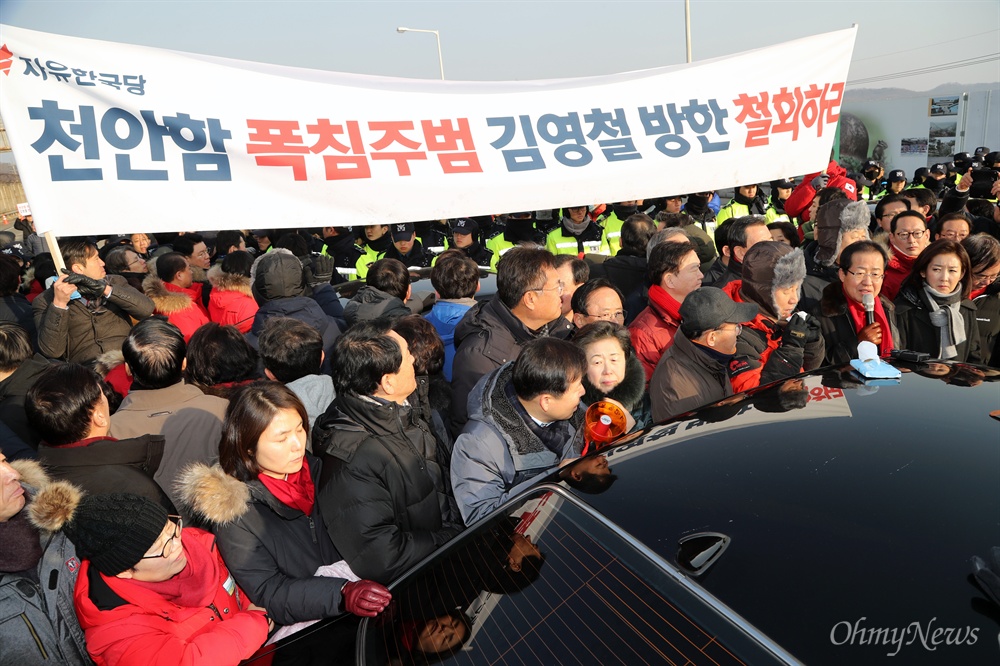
(652, 333)
(749, 377)
(231, 303)
(149, 630)
(182, 307)
(802, 196)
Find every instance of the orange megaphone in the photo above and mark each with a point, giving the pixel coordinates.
(603, 423)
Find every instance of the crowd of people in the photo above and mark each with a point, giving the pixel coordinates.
(206, 445)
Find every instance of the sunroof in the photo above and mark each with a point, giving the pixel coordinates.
(547, 583)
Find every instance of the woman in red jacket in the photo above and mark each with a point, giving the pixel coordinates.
(149, 590)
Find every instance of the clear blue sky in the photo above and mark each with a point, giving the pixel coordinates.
(512, 40)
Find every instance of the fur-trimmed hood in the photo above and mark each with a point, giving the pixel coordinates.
(769, 266)
(54, 505)
(33, 475)
(167, 301)
(629, 392)
(223, 281)
(212, 494)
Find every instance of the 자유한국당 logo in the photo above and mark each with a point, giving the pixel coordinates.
(5, 59)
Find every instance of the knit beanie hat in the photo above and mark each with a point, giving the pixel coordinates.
(112, 531)
(769, 266)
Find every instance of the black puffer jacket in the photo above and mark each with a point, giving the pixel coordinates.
(110, 466)
(371, 303)
(988, 317)
(488, 336)
(272, 550)
(13, 389)
(279, 288)
(383, 491)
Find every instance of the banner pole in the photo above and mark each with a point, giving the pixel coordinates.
(57, 259)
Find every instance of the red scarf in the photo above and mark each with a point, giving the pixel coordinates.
(195, 585)
(978, 292)
(297, 491)
(665, 302)
(857, 314)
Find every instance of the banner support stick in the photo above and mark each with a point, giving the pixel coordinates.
(57, 258)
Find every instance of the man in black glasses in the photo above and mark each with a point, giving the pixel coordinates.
(908, 236)
(149, 589)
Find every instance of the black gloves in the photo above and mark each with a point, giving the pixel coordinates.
(820, 181)
(88, 287)
(318, 269)
(365, 598)
(800, 331)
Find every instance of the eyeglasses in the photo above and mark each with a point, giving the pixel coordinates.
(983, 278)
(168, 547)
(617, 315)
(560, 286)
(906, 235)
(954, 235)
(737, 330)
(863, 275)
(137, 260)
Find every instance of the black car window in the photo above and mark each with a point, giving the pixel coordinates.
(546, 582)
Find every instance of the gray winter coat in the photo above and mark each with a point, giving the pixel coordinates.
(38, 624)
(497, 453)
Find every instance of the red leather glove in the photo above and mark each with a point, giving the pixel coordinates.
(365, 598)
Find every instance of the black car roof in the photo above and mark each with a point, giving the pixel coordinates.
(859, 504)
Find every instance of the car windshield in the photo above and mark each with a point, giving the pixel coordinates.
(547, 582)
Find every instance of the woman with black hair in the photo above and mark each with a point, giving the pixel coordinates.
(260, 500)
(933, 310)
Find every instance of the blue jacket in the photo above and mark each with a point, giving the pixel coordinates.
(445, 316)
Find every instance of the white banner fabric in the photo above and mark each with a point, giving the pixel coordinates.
(114, 138)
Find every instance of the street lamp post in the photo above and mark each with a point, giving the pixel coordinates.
(437, 36)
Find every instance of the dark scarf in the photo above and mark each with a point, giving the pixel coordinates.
(553, 436)
(296, 491)
(382, 244)
(721, 358)
(696, 206)
(20, 549)
(622, 212)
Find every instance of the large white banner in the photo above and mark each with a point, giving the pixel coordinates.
(114, 138)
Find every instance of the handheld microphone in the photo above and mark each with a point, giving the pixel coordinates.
(868, 301)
